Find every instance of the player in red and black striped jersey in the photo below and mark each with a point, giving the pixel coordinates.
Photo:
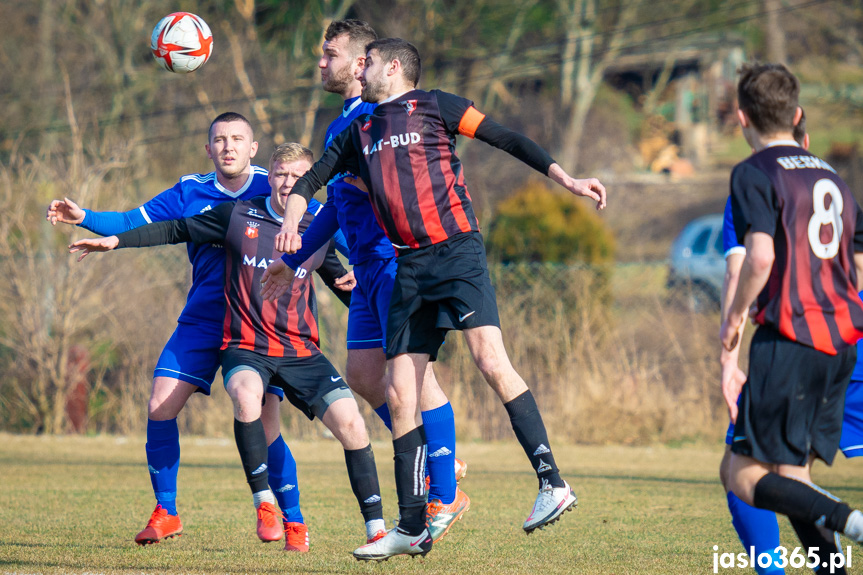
(405, 154)
(803, 233)
(269, 342)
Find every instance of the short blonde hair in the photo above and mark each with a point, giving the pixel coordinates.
(291, 152)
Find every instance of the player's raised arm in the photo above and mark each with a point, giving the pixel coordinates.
(336, 158)
(208, 227)
(462, 118)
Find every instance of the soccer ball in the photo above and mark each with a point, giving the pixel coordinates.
(181, 42)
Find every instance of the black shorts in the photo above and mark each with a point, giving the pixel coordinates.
(792, 402)
(312, 384)
(438, 288)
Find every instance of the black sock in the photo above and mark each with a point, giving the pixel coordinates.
(364, 481)
(820, 540)
(410, 460)
(530, 430)
(800, 502)
(252, 445)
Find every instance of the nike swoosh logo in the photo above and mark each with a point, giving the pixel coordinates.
(335, 379)
(465, 316)
(417, 542)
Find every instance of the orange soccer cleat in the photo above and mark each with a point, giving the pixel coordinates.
(270, 526)
(440, 517)
(296, 537)
(160, 526)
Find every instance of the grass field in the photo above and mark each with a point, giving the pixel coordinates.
(74, 504)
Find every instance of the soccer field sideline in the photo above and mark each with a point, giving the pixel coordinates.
(73, 504)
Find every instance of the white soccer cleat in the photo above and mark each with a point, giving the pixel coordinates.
(551, 503)
(395, 543)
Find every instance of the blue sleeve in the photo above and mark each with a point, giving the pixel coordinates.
(729, 237)
(320, 231)
(166, 206)
(342, 243)
(112, 223)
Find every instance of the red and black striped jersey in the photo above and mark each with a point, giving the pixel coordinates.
(287, 327)
(405, 153)
(816, 225)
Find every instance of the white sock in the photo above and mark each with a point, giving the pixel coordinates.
(854, 526)
(265, 496)
(373, 526)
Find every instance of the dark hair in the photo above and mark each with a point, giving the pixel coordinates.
(768, 94)
(800, 129)
(406, 53)
(228, 117)
(359, 34)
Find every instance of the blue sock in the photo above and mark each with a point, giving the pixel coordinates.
(163, 459)
(756, 528)
(439, 425)
(283, 479)
(384, 413)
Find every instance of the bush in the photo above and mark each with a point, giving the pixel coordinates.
(536, 224)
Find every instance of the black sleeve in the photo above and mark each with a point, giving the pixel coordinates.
(858, 230)
(339, 157)
(331, 270)
(211, 226)
(753, 202)
(452, 109)
(517, 145)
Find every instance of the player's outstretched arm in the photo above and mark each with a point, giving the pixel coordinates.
(91, 245)
(64, 211)
(288, 240)
(589, 187)
(276, 280)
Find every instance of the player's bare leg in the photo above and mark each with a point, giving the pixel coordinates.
(246, 390)
(555, 495)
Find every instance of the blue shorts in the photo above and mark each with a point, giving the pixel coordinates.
(192, 355)
(370, 304)
(851, 443)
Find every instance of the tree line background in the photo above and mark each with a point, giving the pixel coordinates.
(88, 115)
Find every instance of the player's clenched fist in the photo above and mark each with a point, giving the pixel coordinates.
(288, 242)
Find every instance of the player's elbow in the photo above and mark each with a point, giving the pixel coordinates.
(761, 261)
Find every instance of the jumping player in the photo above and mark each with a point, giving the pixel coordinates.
(374, 263)
(190, 359)
(405, 154)
(270, 342)
(803, 234)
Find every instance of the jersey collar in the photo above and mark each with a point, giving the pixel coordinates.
(239, 192)
(272, 212)
(350, 106)
(391, 98)
(783, 143)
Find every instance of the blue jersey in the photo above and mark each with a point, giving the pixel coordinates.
(192, 195)
(347, 207)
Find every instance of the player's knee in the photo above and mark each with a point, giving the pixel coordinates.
(491, 365)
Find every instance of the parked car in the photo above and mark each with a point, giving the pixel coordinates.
(697, 264)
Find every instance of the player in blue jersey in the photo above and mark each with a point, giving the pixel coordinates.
(190, 359)
(373, 259)
(758, 528)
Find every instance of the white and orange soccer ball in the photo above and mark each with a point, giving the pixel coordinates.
(181, 42)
